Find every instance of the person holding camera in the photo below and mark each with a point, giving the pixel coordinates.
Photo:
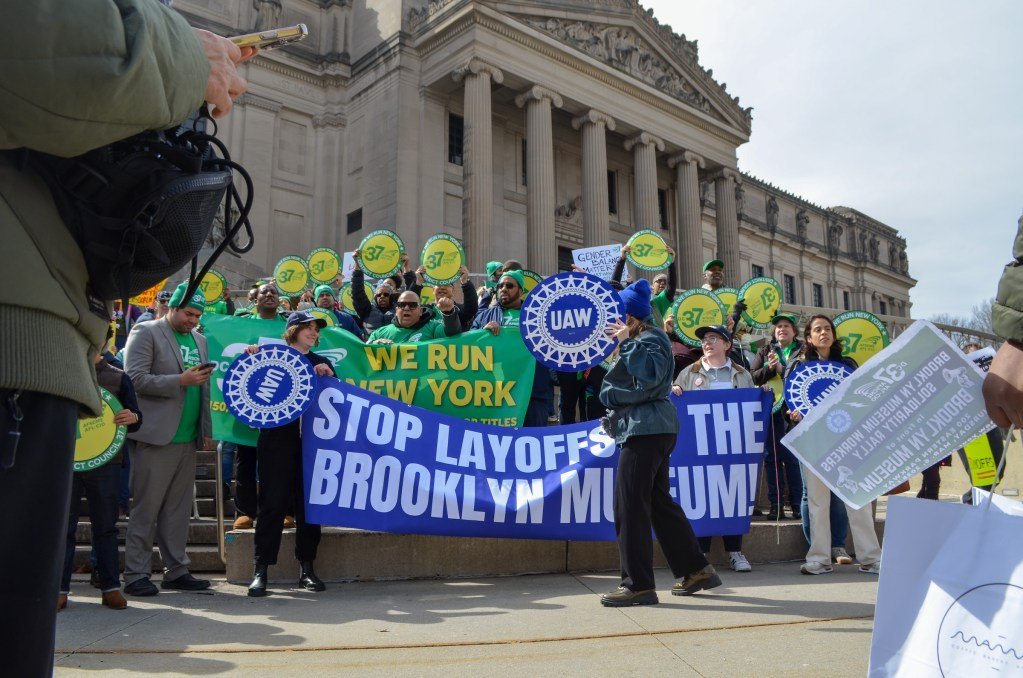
(644, 425)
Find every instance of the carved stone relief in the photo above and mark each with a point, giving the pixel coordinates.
(802, 219)
(772, 214)
(268, 14)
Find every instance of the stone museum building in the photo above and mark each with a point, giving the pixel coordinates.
(527, 129)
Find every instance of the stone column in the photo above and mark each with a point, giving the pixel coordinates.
(541, 247)
(478, 170)
(644, 147)
(596, 218)
(689, 248)
(727, 224)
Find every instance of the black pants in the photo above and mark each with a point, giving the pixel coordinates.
(642, 501)
(280, 488)
(572, 404)
(931, 483)
(594, 380)
(732, 542)
(34, 497)
(101, 487)
(245, 483)
(781, 466)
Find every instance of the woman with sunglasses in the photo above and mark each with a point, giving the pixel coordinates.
(820, 343)
(279, 455)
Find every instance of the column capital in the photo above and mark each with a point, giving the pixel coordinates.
(593, 116)
(539, 93)
(727, 173)
(686, 157)
(477, 66)
(644, 139)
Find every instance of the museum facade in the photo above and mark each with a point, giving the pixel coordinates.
(527, 129)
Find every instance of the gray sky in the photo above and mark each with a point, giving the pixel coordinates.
(908, 111)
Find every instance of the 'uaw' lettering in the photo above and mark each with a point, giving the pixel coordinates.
(571, 318)
(271, 380)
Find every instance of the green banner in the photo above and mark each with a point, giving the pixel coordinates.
(475, 375)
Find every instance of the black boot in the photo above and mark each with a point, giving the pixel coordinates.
(308, 579)
(257, 589)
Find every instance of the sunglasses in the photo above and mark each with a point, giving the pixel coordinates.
(506, 286)
(408, 304)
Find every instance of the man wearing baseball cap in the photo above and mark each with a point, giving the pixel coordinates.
(159, 310)
(713, 274)
(167, 361)
(325, 299)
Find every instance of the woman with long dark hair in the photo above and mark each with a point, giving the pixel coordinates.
(644, 425)
(821, 343)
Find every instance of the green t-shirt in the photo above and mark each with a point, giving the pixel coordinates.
(433, 329)
(660, 304)
(216, 307)
(188, 429)
(510, 317)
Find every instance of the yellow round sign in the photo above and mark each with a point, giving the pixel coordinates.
(324, 315)
(762, 297)
(427, 295)
(99, 439)
(344, 296)
(727, 296)
(648, 251)
(694, 309)
(324, 264)
(212, 286)
(861, 334)
(380, 254)
(531, 279)
(291, 276)
(442, 256)
(778, 386)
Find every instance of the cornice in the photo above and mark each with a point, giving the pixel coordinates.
(256, 101)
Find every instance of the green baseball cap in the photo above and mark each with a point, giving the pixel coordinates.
(492, 267)
(321, 289)
(713, 262)
(785, 316)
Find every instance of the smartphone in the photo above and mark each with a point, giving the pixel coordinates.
(273, 38)
(207, 366)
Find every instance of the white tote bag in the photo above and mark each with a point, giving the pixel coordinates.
(950, 597)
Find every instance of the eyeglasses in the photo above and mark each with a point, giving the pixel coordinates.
(506, 286)
(711, 339)
(408, 304)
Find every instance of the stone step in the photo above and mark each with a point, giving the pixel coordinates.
(202, 531)
(356, 555)
(204, 558)
(207, 506)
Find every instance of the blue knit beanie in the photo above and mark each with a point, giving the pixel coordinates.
(636, 299)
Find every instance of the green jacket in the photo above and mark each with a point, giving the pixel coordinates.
(1007, 315)
(640, 380)
(74, 75)
(428, 327)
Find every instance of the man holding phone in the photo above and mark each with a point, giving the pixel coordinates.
(167, 361)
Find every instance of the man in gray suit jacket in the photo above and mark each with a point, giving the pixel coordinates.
(165, 359)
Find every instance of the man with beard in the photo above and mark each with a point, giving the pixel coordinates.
(505, 313)
(324, 296)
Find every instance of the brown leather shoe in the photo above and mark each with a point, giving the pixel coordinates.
(289, 521)
(701, 580)
(61, 601)
(243, 523)
(624, 597)
(114, 600)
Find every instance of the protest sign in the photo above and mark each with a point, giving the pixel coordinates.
(904, 410)
(762, 297)
(599, 261)
(442, 257)
(474, 375)
(291, 276)
(268, 388)
(648, 251)
(861, 334)
(380, 254)
(148, 298)
(324, 265)
(99, 439)
(950, 595)
(377, 464)
(694, 309)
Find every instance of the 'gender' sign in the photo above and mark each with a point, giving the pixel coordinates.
(564, 321)
(269, 388)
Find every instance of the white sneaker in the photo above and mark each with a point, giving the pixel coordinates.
(816, 568)
(739, 562)
(841, 556)
(871, 568)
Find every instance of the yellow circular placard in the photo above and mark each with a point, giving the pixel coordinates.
(380, 254)
(427, 295)
(442, 256)
(99, 439)
(727, 296)
(648, 251)
(778, 386)
(324, 264)
(861, 334)
(324, 315)
(212, 286)
(531, 279)
(291, 276)
(694, 309)
(762, 297)
(344, 296)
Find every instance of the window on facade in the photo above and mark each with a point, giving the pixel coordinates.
(789, 283)
(612, 192)
(355, 221)
(524, 176)
(756, 271)
(882, 306)
(818, 295)
(565, 259)
(845, 300)
(456, 137)
(662, 208)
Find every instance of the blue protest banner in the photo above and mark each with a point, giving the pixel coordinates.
(374, 463)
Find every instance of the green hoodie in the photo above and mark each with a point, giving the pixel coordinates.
(74, 76)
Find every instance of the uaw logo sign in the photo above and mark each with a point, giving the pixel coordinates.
(564, 321)
(269, 388)
(810, 383)
(980, 633)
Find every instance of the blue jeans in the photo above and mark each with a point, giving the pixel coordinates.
(227, 451)
(101, 488)
(839, 519)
